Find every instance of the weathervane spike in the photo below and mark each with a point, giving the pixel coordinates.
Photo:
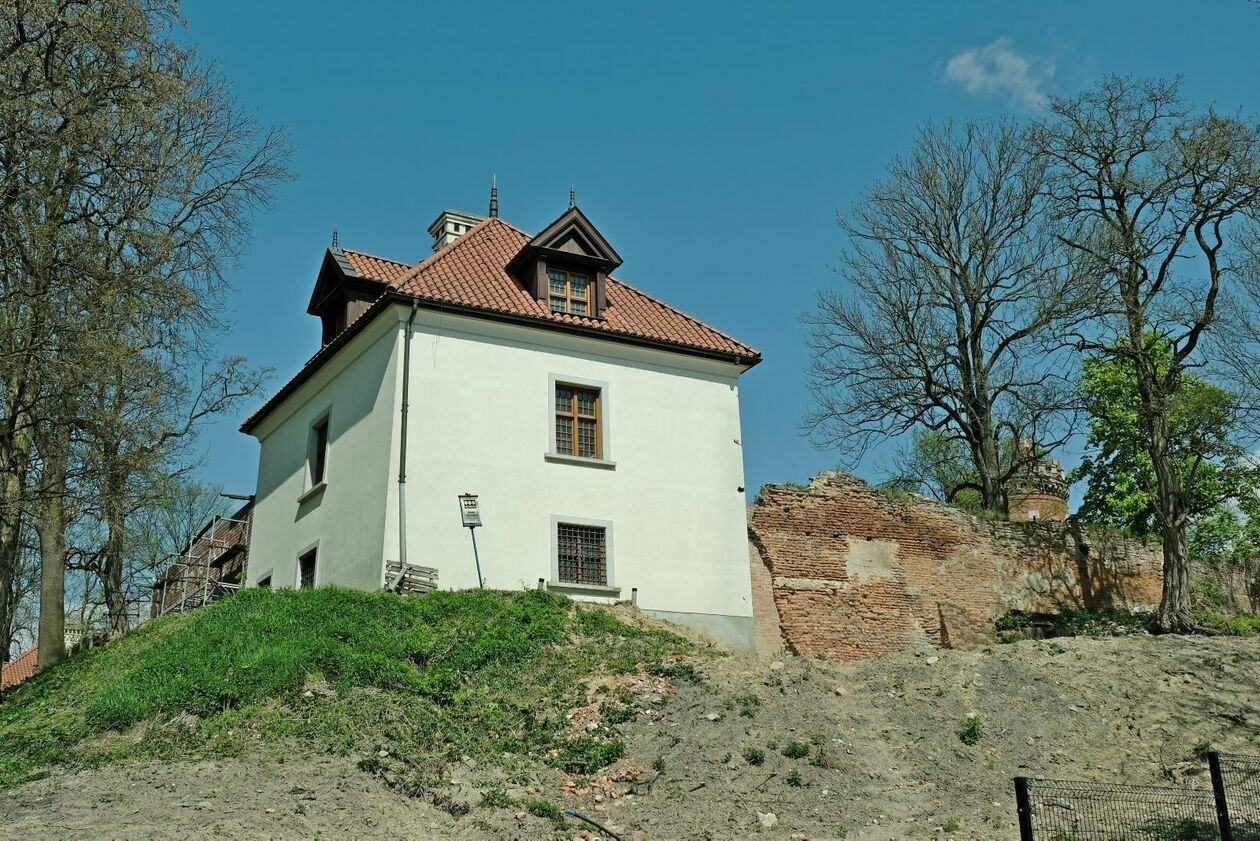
(334, 241)
(572, 197)
(494, 197)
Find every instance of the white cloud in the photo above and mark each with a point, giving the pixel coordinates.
(999, 68)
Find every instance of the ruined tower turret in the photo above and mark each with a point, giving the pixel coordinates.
(1039, 491)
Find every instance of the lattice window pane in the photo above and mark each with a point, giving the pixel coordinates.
(556, 279)
(586, 402)
(558, 305)
(586, 438)
(577, 286)
(581, 554)
(564, 435)
(577, 307)
(564, 399)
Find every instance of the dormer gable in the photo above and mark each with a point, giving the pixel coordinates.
(566, 266)
(341, 294)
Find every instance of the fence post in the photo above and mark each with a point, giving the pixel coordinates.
(1023, 810)
(1218, 791)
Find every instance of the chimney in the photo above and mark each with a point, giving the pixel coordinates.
(450, 226)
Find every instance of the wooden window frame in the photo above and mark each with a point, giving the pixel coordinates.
(568, 297)
(573, 416)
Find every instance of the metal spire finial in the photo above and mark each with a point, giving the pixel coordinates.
(572, 197)
(494, 197)
(334, 242)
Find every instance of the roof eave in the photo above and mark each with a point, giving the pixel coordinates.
(394, 297)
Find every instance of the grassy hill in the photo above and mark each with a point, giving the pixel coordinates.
(453, 674)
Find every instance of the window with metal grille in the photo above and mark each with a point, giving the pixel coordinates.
(577, 421)
(581, 554)
(306, 570)
(569, 292)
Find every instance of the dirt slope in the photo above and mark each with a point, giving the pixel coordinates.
(883, 756)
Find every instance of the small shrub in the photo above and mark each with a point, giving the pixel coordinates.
(773, 744)
(678, 671)
(659, 764)
(796, 750)
(586, 754)
(970, 731)
(795, 780)
(951, 825)
(748, 704)
(543, 809)
(616, 713)
(754, 756)
(726, 758)
(495, 798)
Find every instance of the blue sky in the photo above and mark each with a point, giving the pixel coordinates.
(711, 143)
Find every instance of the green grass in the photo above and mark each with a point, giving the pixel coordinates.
(1242, 625)
(476, 673)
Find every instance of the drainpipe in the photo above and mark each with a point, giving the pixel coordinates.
(402, 446)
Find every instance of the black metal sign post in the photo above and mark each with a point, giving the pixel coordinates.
(470, 515)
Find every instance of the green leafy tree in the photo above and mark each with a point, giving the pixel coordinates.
(1122, 488)
(939, 466)
(1157, 199)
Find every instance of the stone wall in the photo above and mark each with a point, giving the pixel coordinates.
(855, 573)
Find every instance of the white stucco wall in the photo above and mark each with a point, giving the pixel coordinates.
(482, 411)
(481, 420)
(348, 521)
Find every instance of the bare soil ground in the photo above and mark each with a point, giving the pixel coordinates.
(882, 754)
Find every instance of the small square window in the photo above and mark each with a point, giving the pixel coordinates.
(306, 571)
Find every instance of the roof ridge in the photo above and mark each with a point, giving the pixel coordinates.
(450, 247)
(685, 315)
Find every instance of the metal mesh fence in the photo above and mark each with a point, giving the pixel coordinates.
(1053, 810)
(1240, 783)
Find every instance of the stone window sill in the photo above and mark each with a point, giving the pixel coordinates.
(561, 458)
(584, 589)
(312, 493)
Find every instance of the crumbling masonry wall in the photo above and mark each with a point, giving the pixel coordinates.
(856, 573)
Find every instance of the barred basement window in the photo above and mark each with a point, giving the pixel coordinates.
(581, 554)
(577, 421)
(306, 570)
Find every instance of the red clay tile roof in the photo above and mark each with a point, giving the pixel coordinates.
(377, 268)
(23, 668)
(471, 273)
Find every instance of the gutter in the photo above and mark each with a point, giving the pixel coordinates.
(402, 443)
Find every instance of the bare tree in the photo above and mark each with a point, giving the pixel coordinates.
(957, 296)
(1153, 197)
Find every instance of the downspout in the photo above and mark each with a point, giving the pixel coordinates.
(402, 446)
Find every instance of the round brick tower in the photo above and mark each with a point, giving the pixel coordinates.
(1039, 492)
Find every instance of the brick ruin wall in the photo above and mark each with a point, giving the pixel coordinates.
(847, 571)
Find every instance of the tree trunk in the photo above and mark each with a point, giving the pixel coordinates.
(12, 493)
(51, 526)
(1176, 608)
(115, 551)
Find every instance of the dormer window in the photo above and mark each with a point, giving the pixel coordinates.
(569, 292)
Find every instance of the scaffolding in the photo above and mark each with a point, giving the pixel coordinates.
(207, 570)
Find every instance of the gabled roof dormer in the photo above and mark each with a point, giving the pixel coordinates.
(566, 266)
(341, 292)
